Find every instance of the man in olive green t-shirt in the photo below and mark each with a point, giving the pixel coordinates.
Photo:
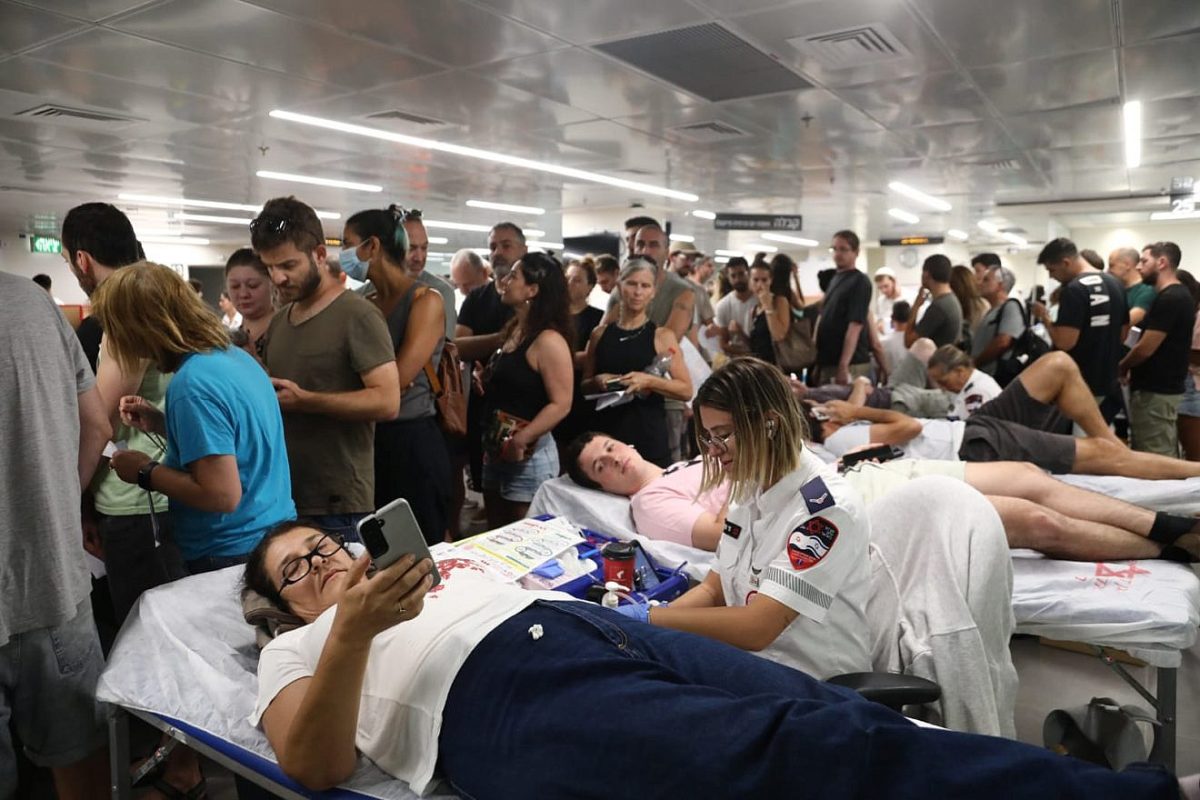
(330, 357)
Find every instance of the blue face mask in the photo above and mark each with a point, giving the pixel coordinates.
(348, 259)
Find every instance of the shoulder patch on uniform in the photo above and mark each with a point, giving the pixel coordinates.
(817, 496)
(810, 542)
(731, 530)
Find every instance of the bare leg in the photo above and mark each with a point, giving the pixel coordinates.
(86, 779)
(1055, 379)
(1028, 524)
(1106, 457)
(1024, 480)
(500, 512)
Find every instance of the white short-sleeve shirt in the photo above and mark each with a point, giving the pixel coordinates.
(979, 389)
(803, 543)
(939, 439)
(410, 669)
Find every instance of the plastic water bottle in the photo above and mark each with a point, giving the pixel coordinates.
(661, 365)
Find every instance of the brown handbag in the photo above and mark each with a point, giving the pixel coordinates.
(798, 349)
(447, 386)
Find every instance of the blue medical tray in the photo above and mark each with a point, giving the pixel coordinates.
(672, 583)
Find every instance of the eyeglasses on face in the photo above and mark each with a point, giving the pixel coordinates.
(711, 442)
(297, 569)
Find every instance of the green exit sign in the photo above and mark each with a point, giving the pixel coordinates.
(45, 244)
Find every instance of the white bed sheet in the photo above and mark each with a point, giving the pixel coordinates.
(186, 652)
(1149, 608)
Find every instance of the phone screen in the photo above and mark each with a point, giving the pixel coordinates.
(644, 576)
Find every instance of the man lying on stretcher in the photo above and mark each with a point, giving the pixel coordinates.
(1038, 512)
(508, 693)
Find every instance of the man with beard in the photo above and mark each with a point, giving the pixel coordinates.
(330, 357)
(735, 309)
(477, 334)
(1157, 366)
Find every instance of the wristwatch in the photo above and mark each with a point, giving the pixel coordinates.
(143, 476)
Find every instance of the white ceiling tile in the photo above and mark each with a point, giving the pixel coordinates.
(176, 69)
(1163, 69)
(1153, 19)
(1050, 82)
(1019, 30)
(579, 78)
(1171, 117)
(960, 139)
(24, 27)
(257, 36)
(90, 10)
(585, 23)
(1068, 127)
(937, 99)
(450, 32)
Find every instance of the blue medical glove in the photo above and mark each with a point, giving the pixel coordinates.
(634, 611)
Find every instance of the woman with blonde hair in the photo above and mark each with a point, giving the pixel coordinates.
(225, 469)
(966, 290)
(792, 577)
(632, 354)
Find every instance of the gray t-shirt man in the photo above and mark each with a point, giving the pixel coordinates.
(943, 320)
(1004, 319)
(43, 575)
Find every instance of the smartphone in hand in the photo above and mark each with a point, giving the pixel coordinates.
(391, 533)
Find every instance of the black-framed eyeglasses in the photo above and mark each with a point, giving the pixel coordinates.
(270, 223)
(711, 442)
(297, 569)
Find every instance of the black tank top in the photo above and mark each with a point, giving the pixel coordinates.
(642, 422)
(513, 386)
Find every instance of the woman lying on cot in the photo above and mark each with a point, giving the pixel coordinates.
(509, 693)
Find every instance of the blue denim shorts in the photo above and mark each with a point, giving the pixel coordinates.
(518, 482)
(1190, 405)
(48, 689)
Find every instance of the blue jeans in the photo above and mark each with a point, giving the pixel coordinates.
(602, 706)
(345, 525)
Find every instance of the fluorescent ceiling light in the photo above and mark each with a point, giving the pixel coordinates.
(481, 251)
(904, 216)
(438, 240)
(534, 210)
(159, 200)
(728, 253)
(988, 227)
(456, 226)
(702, 214)
(532, 233)
(485, 155)
(955, 233)
(213, 218)
(722, 259)
(759, 247)
(779, 237)
(1133, 133)
(682, 237)
(173, 240)
(919, 196)
(1161, 216)
(548, 245)
(156, 232)
(336, 184)
(1014, 238)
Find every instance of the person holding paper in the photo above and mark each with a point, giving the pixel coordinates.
(634, 356)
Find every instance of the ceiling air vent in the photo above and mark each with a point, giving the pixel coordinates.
(396, 115)
(1001, 165)
(706, 132)
(852, 47)
(707, 60)
(77, 117)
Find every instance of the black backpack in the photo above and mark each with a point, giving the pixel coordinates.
(1025, 349)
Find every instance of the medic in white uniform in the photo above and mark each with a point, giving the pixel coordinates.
(792, 574)
(803, 543)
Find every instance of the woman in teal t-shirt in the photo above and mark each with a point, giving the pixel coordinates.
(225, 469)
